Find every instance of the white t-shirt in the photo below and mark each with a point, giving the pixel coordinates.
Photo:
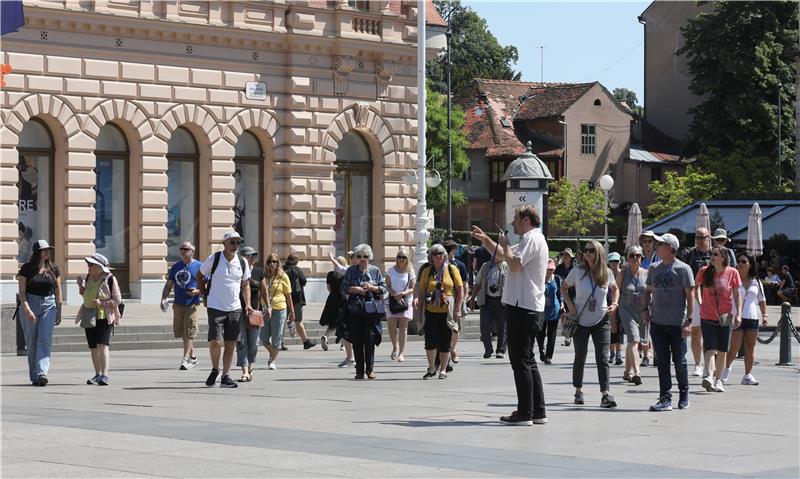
(226, 283)
(584, 283)
(525, 288)
(399, 281)
(753, 295)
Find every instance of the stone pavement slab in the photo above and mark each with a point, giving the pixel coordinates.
(311, 419)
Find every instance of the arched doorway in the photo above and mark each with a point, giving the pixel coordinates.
(182, 187)
(111, 204)
(249, 190)
(353, 177)
(35, 187)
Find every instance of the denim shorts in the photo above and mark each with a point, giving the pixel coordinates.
(749, 325)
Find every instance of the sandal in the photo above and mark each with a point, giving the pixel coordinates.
(245, 378)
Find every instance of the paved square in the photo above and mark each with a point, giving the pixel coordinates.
(311, 419)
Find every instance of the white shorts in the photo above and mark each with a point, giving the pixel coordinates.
(696, 317)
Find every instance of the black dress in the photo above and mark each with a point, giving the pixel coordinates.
(335, 301)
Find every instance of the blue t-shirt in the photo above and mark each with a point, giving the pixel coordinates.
(462, 269)
(184, 276)
(552, 299)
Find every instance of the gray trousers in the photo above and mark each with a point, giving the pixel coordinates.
(493, 313)
(247, 346)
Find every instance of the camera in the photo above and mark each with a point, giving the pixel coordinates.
(429, 298)
(493, 288)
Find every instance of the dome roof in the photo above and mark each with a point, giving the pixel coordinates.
(527, 167)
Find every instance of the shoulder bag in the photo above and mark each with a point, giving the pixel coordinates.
(570, 321)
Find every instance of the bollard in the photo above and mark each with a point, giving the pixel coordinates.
(785, 357)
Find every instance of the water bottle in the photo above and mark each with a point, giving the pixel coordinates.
(291, 329)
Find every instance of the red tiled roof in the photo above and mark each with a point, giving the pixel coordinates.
(546, 102)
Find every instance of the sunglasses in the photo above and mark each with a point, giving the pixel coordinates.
(437, 254)
(402, 258)
(186, 249)
(272, 261)
(362, 257)
(702, 237)
(715, 254)
(743, 261)
(235, 242)
(591, 250)
(637, 256)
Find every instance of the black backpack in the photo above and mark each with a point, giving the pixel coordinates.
(207, 285)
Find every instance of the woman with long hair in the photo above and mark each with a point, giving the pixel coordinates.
(632, 282)
(276, 292)
(754, 306)
(400, 281)
(40, 308)
(717, 291)
(592, 281)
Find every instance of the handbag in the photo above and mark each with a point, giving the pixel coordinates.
(570, 321)
(451, 320)
(255, 319)
(397, 307)
(372, 307)
(88, 317)
(725, 320)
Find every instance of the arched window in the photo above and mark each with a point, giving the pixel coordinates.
(35, 195)
(248, 190)
(111, 205)
(353, 192)
(182, 208)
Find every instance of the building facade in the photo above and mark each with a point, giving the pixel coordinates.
(129, 126)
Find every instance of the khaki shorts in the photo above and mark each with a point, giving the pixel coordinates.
(184, 321)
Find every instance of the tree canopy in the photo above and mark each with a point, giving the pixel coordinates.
(678, 191)
(575, 209)
(436, 147)
(478, 55)
(742, 55)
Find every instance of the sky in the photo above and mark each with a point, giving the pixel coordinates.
(583, 41)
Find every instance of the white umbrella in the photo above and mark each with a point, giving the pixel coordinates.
(703, 218)
(634, 226)
(755, 244)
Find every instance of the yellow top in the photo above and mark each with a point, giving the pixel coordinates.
(90, 293)
(451, 279)
(277, 290)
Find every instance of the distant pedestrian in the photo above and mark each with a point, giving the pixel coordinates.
(276, 288)
(183, 276)
(632, 283)
(298, 281)
(452, 247)
(786, 288)
(554, 306)
(615, 349)
(523, 296)
(717, 290)
(754, 306)
(487, 294)
(247, 345)
(565, 265)
(228, 275)
(592, 282)
(39, 311)
(720, 238)
(365, 289)
(668, 304)
(99, 313)
(649, 256)
(696, 258)
(400, 281)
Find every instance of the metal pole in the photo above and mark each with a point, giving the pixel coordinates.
(780, 175)
(541, 67)
(785, 355)
(421, 234)
(449, 36)
(605, 222)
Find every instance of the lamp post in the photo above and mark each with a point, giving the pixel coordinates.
(421, 234)
(449, 36)
(780, 175)
(606, 183)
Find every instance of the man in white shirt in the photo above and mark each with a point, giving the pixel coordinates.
(228, 275)
(523, 296)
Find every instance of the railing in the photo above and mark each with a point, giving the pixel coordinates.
(369, 26)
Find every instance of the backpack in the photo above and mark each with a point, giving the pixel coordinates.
(207, 285)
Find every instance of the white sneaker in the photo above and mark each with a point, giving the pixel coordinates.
(725, 374)
(708, 384)
(192, 363)
(323, 341)
(347, 363)
(718, 386)
(272, 366)
(184, 364)
(749, 380)
(698, 371)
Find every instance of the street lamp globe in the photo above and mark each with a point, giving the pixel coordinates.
(606, 183)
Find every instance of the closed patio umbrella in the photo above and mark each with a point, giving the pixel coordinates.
(755, 243)
(634, 226)
(703, 218)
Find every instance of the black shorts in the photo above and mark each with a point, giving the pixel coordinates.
(298, 313)
(437, 334)
(100, 334)
(748, 325)
(223, 325)
(715, 337)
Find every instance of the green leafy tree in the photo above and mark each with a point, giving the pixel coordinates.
(477, 55)
(436, 148)
(628, 96)
(575, 209)
(678, 191)
(738, 54)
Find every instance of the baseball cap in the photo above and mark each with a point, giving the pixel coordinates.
(41, 244)
(613, 257)
(669, 239)
(248, 251)
(231, 235)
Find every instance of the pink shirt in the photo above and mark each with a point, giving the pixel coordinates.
(719, 299)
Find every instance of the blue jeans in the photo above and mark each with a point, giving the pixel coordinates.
(39, 335)
(670, 343)
(272, 332)
(247, 345)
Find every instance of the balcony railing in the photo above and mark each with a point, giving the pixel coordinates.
(368, 26)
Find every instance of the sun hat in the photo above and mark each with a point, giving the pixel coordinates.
(248, 251)
(99, 260)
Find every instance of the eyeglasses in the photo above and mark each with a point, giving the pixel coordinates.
(743, 261)
(186, 249)
(438, 253)
(590, 250)
(402, 258)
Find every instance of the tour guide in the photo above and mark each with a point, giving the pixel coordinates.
(523, 297)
